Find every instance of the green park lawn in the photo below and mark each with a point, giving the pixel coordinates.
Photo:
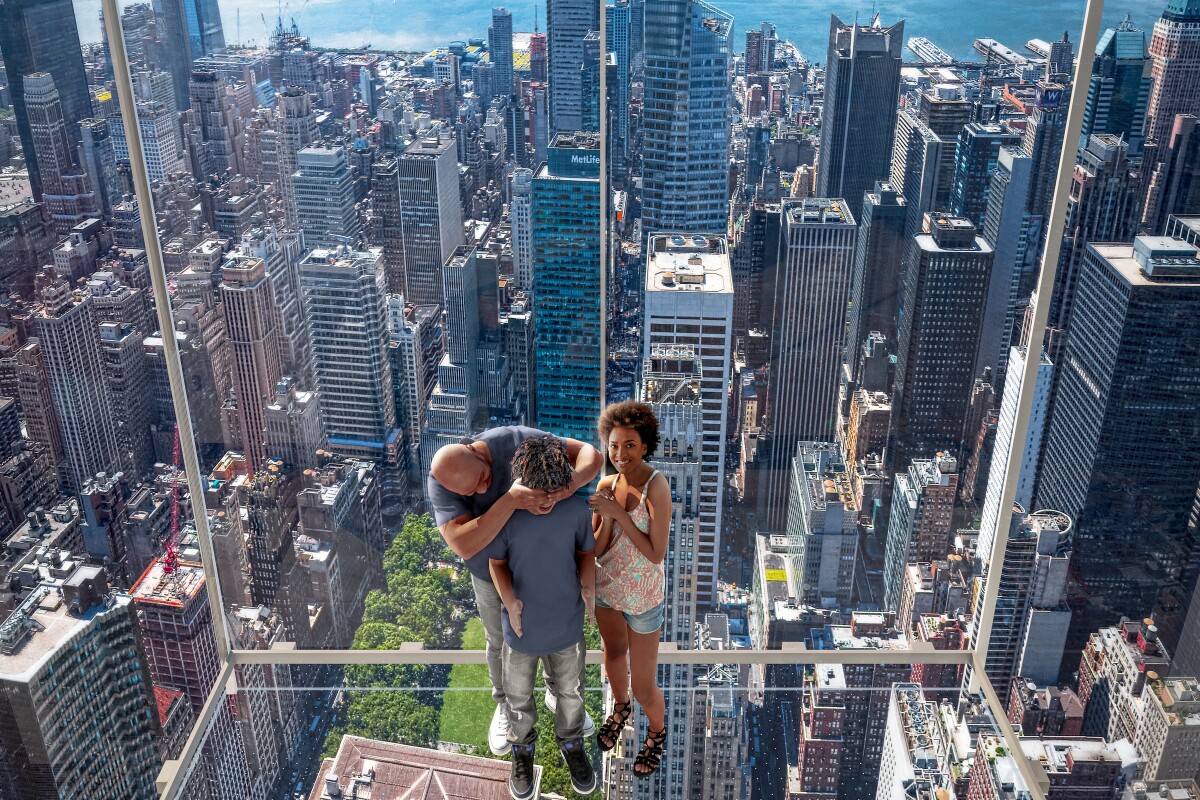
(466, 714)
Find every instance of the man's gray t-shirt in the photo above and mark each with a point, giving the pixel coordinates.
(540, 550)
(502, 443)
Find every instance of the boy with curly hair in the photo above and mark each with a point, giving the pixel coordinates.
(544, 567)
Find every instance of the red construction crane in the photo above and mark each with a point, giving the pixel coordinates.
(171, 557)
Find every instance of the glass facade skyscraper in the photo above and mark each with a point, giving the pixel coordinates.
(41, 36)
(566, 283)
(685, 156)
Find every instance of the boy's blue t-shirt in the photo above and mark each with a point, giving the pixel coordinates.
(540, 550)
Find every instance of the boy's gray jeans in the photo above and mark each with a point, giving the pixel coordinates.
(487, 600)
(563, 669)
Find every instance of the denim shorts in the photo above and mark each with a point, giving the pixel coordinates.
(646, 622)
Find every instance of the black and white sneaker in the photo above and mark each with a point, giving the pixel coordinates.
(583, 777)
(520, 777)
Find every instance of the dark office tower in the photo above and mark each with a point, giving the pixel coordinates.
(1175, 184)
(500, 48)
(1043, 142)
(875, 281)
(430, 215)
(1123, 434)
(1060, 64)
(637, 38)
(685, 151)
(567, 23)
(188, 30)
(1102, 208)
(1175, 55)
(537, 57)
(753, 53)
(98, 159)
(515, 130)
(589, 83)
(40, 36)
(816, 256)
(617, 32)
(383, 226)
(566, 256)
(974, 162)
(1120, 87)
(943, 289)
(862, 89)
(754, 261)
(944, 109)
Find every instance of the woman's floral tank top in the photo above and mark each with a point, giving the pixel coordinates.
(625, 579)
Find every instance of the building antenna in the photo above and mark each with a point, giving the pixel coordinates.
(535, 18)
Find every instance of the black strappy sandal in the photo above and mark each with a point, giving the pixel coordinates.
(651, 753)
(611, 730)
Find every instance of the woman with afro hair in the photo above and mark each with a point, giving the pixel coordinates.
(632, 519)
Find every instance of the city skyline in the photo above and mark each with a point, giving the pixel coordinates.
(824, 280)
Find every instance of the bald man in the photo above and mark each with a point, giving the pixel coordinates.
(471, 490)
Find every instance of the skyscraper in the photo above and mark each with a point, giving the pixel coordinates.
(566, 275)
(974, 162)
(1174, 185)
(1120, 86)
(296, 123)
(216, 140)
(162, 143)
(916, 170)
(1030, 624)
(430, 215)
(689, 301)
(567, 23)
(66, 329)
(79, 712)
(1175, 55)
(325, 197)
(345, 303)
(1126, 474)
(617, 34)
(807, 337)
(685, 151)
(98, 159)
(500, 48)
(862, 89)
(383, 227)
(1102, 207)
(520, 214)
(1013, 233)
(921, 523)
(822, 525)
(66, 191)
(943, 287)
(41, 36)
(189, 29)
(875, 281)
(1030, 453)
(176, 621)
(251, 321)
